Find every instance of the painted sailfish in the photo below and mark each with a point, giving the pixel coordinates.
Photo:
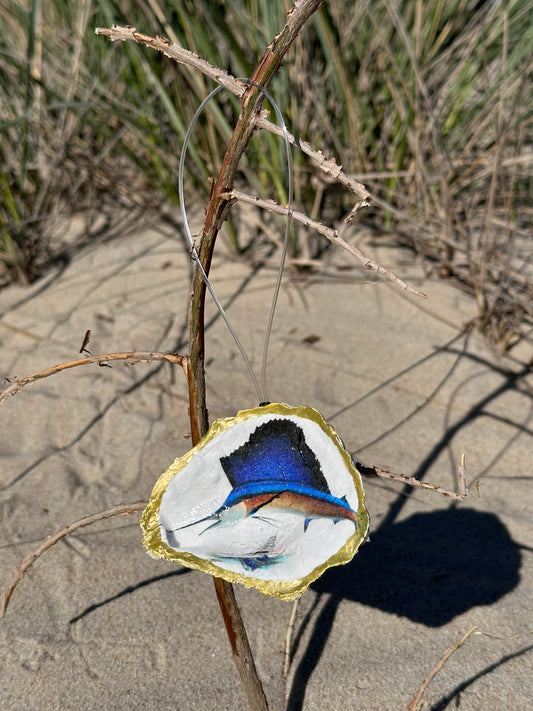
(276, 471)
(269, 498)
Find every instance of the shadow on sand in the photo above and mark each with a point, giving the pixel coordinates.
(429, 568)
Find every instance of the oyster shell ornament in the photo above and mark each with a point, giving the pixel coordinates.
(269, 498)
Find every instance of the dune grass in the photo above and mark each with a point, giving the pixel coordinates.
(425, 102)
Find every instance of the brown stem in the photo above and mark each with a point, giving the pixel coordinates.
(184, 56)
(240, 646)
(216, 213)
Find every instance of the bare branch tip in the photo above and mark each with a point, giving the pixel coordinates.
(51, 540)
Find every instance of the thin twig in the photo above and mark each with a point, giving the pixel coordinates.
(413, 704)
(50, 541)
(183, 56)
(461, 477)
(288, 638)
(331, 234)
(130, 357)
(367, 470)
(328, 165)
(174, 51)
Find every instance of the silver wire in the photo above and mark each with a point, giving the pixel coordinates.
(262, 392)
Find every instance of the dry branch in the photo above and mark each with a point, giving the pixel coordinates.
(267, 66)
(183, 56)
(328, 165)
(414, 703)
(369, 470)
(130, 357)
(331, 234)
(173, 51)
(50, 541)
(461, 477)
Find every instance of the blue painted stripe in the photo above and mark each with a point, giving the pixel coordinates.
(246, 491)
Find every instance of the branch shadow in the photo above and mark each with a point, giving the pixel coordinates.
(313, 653)
(429, 567)
(445, 701)
(127, 591)
(180, 342)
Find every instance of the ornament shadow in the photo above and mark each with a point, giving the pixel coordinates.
(429, 568)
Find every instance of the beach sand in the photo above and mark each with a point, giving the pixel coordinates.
(98, 624)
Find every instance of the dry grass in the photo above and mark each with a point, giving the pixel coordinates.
(426, 103)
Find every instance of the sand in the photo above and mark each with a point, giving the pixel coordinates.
(98, 624)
